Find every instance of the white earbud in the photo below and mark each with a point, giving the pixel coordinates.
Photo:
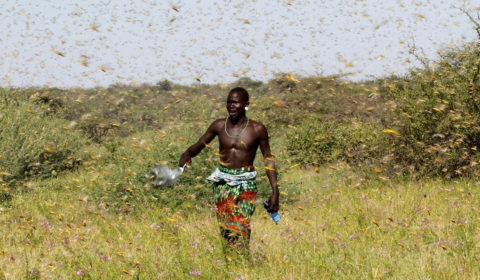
(246, 108)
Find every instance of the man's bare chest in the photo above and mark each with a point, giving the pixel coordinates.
(246, 141)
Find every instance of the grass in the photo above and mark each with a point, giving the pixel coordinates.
(98, 220)
(337, 227)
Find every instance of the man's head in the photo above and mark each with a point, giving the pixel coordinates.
(240, 90)
(237, 102)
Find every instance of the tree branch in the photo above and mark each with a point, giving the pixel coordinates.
(476, 22)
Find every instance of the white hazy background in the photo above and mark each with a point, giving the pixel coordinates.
(93, 43)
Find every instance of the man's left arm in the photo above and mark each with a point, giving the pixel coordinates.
(270, 170)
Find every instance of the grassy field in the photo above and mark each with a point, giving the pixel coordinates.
(377, 181)
(337, 227)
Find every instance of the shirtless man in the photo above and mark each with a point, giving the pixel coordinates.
(234, 179)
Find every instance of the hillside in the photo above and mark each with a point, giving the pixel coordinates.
(376, 178)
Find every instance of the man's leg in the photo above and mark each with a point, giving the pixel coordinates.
(235, 206)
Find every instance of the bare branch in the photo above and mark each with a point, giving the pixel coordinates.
(413, 50)
(476, 22)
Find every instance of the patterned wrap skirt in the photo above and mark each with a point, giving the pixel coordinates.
(235, 191)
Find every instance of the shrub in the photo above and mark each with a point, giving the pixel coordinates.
(436, 112)
(164, 85)
(33, 142)
(247, 83)
(96, 130)
(315, 142)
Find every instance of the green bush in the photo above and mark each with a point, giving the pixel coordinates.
(247, 83)
(33, 141)
(95, 130)
(164, 85)
(315, 142)
(436, 112)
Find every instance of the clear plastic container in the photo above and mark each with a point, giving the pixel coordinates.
(164, 176)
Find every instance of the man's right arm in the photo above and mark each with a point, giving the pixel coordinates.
(196, 148)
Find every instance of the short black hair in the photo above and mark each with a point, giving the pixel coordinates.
(241, 91)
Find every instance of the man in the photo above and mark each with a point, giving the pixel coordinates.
(234, 179)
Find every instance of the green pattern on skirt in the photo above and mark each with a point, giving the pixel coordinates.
(235, 205)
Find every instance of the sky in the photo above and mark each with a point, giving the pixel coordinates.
(91, 43)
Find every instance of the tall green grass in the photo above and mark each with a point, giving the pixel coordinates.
(337, 228)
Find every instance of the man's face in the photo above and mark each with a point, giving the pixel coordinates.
(236, 104)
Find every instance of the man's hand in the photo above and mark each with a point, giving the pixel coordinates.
(273, 202)
(185, 159)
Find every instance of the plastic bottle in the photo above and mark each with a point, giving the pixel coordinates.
(275, 216)
(163, 176)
